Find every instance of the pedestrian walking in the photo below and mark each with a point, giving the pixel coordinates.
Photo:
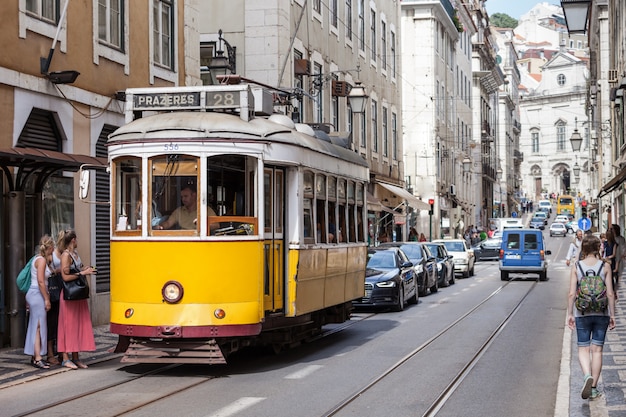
(591, 326)
(574, 248)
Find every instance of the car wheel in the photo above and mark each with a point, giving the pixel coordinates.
(435, 287)
(543, 276)
(452, 278)
(446, 277)
(504, 275)
(413, 299)
(466, 274)
(400, 304)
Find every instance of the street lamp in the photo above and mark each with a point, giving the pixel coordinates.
(576, 169)
(576, 140)
(220, 63)
(467, 164)
(357, 98)
(576, 13)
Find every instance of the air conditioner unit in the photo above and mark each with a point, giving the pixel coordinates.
(302, 67)
(612, 75)
(452, 189)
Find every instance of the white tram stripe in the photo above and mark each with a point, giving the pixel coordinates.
(304, 372)
(239, 405)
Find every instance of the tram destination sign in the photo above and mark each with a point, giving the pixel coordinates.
(185, 100)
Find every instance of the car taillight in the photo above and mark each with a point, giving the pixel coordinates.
(541, 254)
(501, 253)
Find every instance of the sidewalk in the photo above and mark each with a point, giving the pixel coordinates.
(15, 367)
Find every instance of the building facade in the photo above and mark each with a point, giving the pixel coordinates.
(61, 72)
(312, 53)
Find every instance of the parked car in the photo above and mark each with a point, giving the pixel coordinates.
(445, 263)
(390, 280)
(424, 263)
(543, 215)
(488, 250)
(462, 255)
(523, 251)
(537, 222)
(558, 229)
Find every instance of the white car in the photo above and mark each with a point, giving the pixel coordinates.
(561, 218)
(558, 229)
(545, 204)
(462, 255)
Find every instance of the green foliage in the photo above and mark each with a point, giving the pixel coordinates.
(502, 20)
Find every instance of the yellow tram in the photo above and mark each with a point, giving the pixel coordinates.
(228, 229)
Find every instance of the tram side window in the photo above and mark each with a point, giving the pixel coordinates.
(174, 193)
(127, 199)
(342, 228)
(307, 212)
(230, 195)
(320, 208)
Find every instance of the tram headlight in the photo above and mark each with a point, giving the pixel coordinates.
(219, 313)
(172, 292)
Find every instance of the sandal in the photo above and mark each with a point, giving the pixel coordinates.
(80, 364)
(69, 364)
(41, 364)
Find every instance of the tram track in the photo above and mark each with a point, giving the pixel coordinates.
(458, 378)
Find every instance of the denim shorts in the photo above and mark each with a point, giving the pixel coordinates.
(591, 329)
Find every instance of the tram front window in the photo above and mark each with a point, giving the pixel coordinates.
(174, 192)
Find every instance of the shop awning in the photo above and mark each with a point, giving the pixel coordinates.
(413, 201)
(613, 184)
(374, 204)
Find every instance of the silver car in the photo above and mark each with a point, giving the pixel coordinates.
(558, 229)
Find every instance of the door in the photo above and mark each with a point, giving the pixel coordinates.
(274, 259)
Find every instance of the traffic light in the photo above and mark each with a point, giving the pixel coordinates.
(583, 205)
(431, 201)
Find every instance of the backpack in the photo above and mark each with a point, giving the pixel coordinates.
(23, 278)
(591, 293)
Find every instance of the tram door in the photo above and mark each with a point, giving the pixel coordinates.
(274, 205)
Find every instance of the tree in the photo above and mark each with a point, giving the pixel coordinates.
(502, 20)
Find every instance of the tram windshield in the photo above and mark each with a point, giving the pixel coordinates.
(177, 190)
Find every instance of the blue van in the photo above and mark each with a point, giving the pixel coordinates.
(523, 252)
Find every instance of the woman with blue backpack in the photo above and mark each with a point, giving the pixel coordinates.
(591, 311)
(38, 301)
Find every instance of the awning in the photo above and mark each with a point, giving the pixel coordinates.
(410, 198)
(374, 204)
(613, 184)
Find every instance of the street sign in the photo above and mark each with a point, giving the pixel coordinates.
(584, 224)
(514, 214)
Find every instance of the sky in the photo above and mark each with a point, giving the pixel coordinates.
(514, 8)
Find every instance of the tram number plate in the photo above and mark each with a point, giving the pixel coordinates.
(513, 256)
(222, 99)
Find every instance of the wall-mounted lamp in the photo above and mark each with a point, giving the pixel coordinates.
(576, 15)
(467, 164)
(221, 64)
(576, 140)
(357, 98)
(576, 169)
(499, 173)
(57, 77)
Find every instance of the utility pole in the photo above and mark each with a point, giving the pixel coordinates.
(431, 201)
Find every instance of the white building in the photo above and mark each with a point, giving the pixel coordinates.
(549, 115)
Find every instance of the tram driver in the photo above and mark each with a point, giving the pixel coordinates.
(185, 216)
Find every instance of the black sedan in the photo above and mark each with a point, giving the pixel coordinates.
(445, 263)
(424, 263)
(390, 280)
(488, 250)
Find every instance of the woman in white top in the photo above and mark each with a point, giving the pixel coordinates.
(39, 303)
(574, 247)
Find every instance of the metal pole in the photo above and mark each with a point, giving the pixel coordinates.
(16, 236)
(430, 233)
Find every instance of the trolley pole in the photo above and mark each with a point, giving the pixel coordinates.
(431, 201)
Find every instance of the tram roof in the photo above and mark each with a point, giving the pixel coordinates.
(198, 126)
